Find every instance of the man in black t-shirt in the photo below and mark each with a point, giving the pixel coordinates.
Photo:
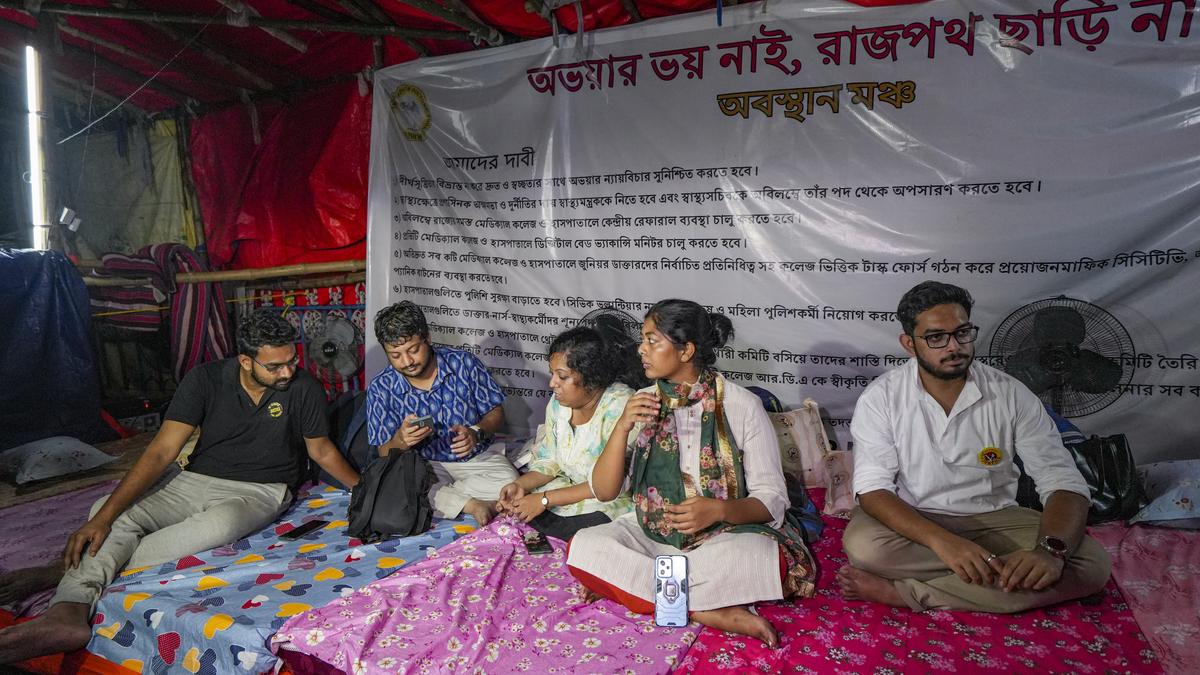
(261, 418)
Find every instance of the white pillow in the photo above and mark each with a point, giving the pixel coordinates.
(49, 458)
(1173, 489)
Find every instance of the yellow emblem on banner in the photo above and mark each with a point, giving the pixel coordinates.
(410, 110)
(990, 456)
(275, 409)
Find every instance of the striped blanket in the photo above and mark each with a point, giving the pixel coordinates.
(198, 321)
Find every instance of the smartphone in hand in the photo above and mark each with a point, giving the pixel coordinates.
(426, 421)
(310, 526)
(537, 544)
(670, 590)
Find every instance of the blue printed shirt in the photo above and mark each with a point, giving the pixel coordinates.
(462, 393)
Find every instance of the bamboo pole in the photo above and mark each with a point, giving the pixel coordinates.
(238, 275)
(318, 9)
(632, 9)
(149, 16)
(239, 7)
(222, 85)
(131, 76)
(367, 10)
(68, 88)
(480, 31)
(199, 46)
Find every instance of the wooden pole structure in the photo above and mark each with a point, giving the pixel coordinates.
(149, 16)
(631, 9)
(238, 275)
(113, 68)
(67, 87)
(285, 37)
(367, 10)
(478, 30)
(144, 58)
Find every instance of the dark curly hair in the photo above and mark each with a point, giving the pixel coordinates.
(684, 321)
(602, 354)
(265, 327)
(396, 323)
(927, 295)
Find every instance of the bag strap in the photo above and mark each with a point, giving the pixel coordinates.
(357, 422)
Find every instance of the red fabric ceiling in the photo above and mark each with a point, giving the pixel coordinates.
(299, 195)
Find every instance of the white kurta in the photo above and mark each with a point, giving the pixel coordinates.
(728, 569)
(959, 463)
(568, 453)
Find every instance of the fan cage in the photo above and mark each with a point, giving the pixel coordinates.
(1103, 334)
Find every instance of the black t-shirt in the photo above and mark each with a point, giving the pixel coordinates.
(239, 440)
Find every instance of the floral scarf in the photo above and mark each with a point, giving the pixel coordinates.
(657, 479)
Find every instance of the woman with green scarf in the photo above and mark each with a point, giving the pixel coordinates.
(706, 478)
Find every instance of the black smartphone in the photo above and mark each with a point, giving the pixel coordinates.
(537, 544)
(310, 526)
(426, 421)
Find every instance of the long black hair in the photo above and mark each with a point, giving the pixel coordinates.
(684, 321)
(602, 353)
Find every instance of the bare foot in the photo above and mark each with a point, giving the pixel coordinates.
(63, 628)
(860, 585)
(17, 585)
(741, 621)
(481, 511)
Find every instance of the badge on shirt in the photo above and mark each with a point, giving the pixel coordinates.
(990, 456)
(275, 409)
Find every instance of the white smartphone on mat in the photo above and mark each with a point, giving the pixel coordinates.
(670, 590)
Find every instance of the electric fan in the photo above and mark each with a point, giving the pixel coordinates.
(1068, 352)
(334, 349)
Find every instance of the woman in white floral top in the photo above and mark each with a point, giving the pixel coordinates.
(590, 373)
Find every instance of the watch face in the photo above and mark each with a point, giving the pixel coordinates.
(1054, 544)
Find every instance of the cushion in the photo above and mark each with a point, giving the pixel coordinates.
(803, 444)
(1173, 489)
(50, 458)
(807, 457)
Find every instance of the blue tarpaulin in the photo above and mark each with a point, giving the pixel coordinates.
(49, 380)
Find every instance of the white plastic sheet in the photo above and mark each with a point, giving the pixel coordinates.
(798, 169)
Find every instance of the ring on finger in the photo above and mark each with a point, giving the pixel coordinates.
(990, 558)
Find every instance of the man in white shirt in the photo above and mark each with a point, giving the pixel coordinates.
(938, 526)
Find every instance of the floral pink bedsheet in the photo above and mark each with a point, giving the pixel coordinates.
(827, 634)
(1158, 571)
(483, 604)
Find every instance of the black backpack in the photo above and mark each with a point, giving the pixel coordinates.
(348, 430)
(391, 498)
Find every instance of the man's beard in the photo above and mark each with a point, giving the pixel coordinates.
(955, 373)
(278, 385)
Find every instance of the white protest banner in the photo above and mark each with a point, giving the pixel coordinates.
(798, 169)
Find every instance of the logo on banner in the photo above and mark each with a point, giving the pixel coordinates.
(411, 110)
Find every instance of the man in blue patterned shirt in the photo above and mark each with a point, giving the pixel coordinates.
(443, 403)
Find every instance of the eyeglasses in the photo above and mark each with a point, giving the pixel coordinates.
(276, 367)
(963, 336)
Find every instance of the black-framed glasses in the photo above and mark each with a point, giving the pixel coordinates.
(276, 367)
(963, 336)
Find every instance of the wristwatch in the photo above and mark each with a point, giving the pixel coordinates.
(1054, 546)
(546, 499)
(477, 430)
